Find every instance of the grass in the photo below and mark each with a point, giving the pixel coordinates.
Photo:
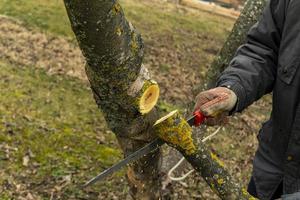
(176, 38)
(173, 19)
(50, 16)
(54, 121)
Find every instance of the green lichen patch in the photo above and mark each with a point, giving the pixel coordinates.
(116, 8)
(119, 31)
(247, 195)
(216, 159)
(134, 45)
(176, 131)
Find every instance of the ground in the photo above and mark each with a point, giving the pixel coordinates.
(50, 143)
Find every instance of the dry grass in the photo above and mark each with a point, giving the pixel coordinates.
(211, 8)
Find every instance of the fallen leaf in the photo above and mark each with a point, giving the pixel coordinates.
(26, 161)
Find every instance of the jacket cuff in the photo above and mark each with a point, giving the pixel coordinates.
(240, 92)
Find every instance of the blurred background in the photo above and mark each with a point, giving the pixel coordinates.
(52, 136)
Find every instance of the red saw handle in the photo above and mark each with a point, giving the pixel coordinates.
(199, 118)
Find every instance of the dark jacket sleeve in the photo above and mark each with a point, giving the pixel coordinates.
(252, 72)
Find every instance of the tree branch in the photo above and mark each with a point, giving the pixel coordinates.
(174, 130)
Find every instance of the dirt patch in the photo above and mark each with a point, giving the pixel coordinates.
(28, 47)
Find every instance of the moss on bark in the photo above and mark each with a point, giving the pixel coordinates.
(176, 131)
(114, 51)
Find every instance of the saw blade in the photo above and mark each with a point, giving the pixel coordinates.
(132, 157)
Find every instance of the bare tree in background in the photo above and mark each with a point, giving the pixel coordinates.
(249, 16)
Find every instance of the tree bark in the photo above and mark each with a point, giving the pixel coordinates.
(216, 176)
(122, 87)
(174, 130)
(114, 53)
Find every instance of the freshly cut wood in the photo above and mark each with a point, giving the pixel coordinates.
(148, 97)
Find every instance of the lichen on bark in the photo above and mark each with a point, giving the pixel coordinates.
(114, 52)
(213, 171)
(249, 16)
(175, 131)
(210, 167)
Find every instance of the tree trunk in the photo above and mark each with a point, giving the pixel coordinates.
(126, 94)
(122, 87)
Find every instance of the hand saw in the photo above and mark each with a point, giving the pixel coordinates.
(196, 120)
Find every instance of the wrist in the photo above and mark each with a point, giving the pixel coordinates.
(240, 93)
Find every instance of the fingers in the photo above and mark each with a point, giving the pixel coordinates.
(215, 103)
(203, 98)
(215, 106)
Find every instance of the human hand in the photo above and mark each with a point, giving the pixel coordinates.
(216, 103)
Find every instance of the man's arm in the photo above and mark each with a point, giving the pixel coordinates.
(252, 72)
